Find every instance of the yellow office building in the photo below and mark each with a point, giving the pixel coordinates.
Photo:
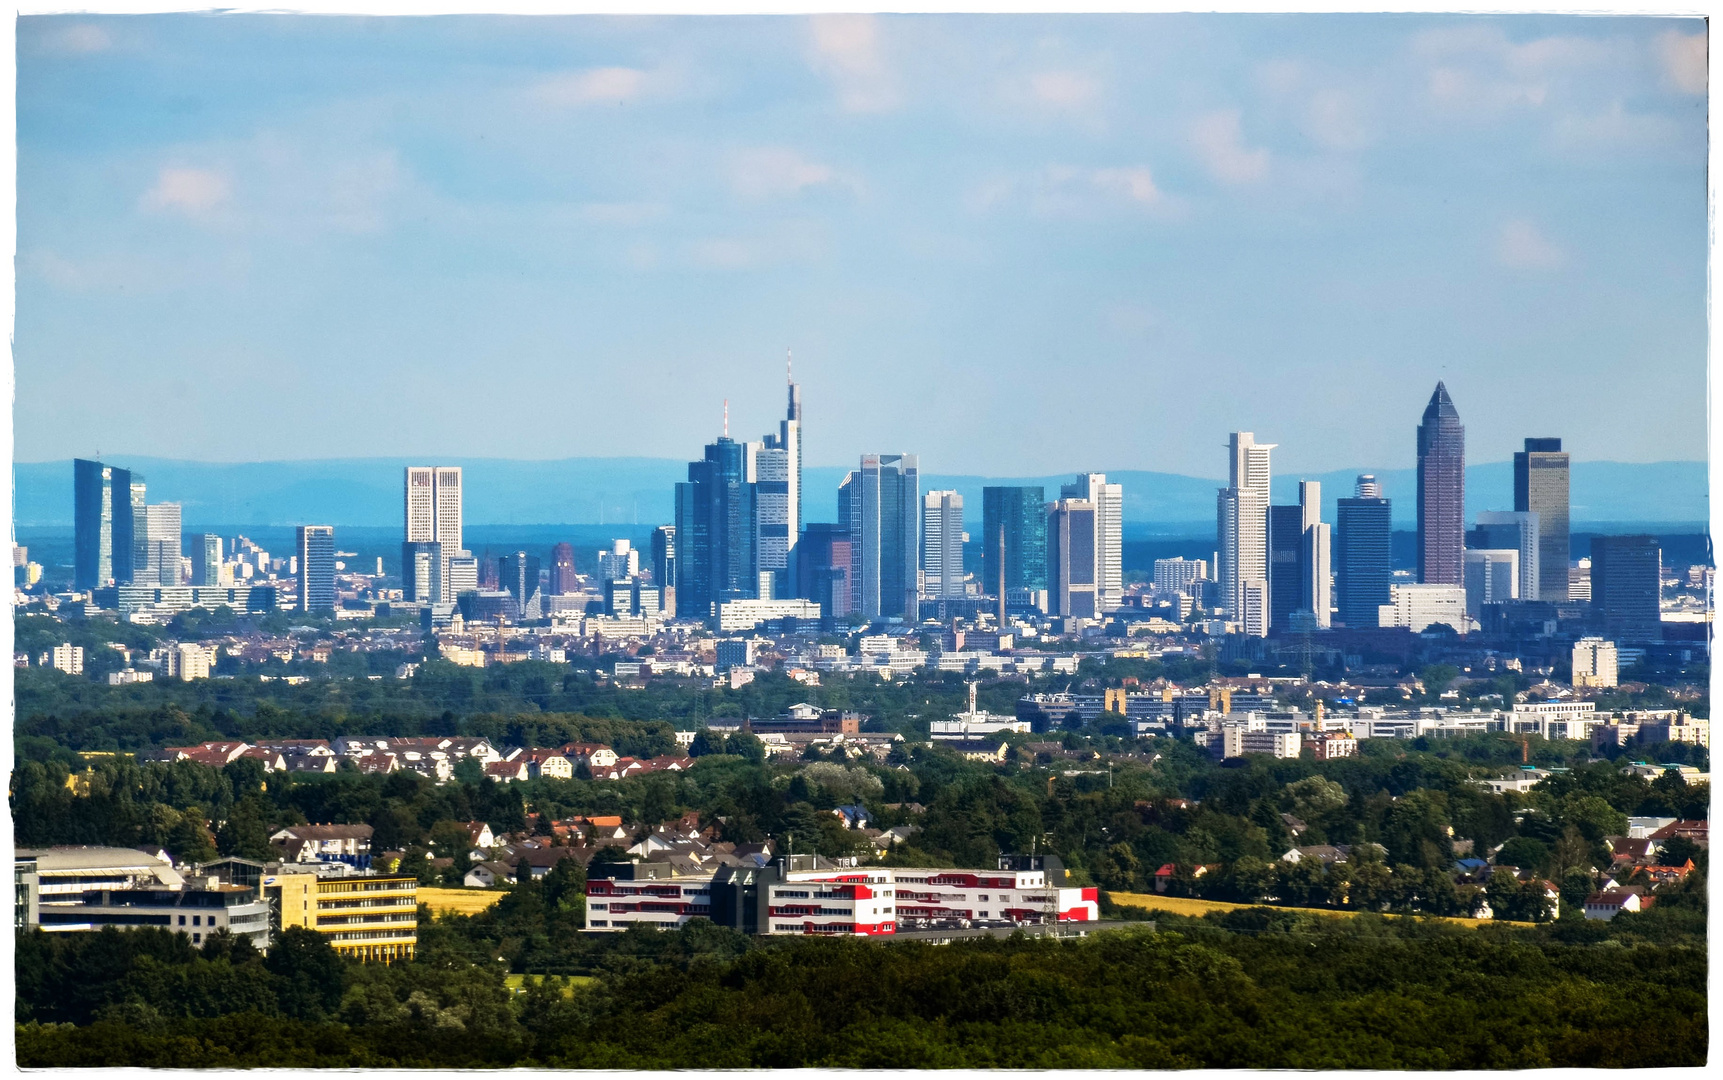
(368, 918)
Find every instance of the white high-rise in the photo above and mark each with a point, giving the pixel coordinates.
(158, 538)
(942, 545)
(1242, 525)
(1318, 542)
(433, 514)
(1109, 503)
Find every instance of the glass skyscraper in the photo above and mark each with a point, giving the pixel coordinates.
(1363, 560)
(1013, 520)
(1541, 488)
(879, 506)
(1441, 493)
(715, 531)
(316, 568)
(102, 524)
(1627, 586)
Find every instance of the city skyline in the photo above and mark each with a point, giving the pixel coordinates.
(1300, 205)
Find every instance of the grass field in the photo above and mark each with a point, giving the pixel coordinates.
(458, 901)
(517, 983)
(1184, 905)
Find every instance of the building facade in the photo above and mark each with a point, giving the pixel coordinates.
(102, 524)
(1073, 586)
(1013, 539)
(1109, 503)
(433, 516)
(715, 531)
(1242, 529)
(1363, 561)
(1497, 530)
(316, 567)
(879, 506)
(942, 545)
(823, 568)
(1627, 586)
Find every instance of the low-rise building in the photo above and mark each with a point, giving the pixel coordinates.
(367, 917)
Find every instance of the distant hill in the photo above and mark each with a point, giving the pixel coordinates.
(626, 491)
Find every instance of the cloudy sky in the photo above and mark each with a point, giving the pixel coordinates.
(1013, 245)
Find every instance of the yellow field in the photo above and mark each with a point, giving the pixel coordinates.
(1184, 905)
(458, 901)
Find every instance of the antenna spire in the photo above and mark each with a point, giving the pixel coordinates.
(726, 418)
(788, 376)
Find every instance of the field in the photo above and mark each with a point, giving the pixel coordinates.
(1184, 905)
(459, 901)
(517, 983)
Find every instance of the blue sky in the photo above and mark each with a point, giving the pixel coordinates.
(1013, 245)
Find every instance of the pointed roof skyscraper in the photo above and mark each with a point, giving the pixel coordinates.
(1441, 492)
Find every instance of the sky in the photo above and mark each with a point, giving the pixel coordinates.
(1012, 245)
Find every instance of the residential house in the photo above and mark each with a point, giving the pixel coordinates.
(506, 772)
(1607, 905)
(349, 844)
(479, 834)
(594, 756)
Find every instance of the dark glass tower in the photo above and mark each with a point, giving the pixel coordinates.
(519, 572)
(1541, 486)
(102, 524)
(1442, 493)
(1627, 586)
(1285, 564)
(1363, 563)
(715, 531)
(1018, 516)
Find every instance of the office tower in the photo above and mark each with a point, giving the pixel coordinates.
(1253, 613)
(879, 506)
(1013, 540)
(1627, 586)
(776, 465)
(102, 520)
(156, 545)
(664, 567)
(1179, 575)
(206, 560)
(1298, 542)
(519, 573)
(942, 545)
(1071, 570)
(1108, 501)
(422, 566)
(619, 563)
(1579, 581)
(563, 580)
(1243, 522)
(1419, 607)
(715, 531)
(460, 574)
(433, 512)
(1492, 577)
(1497, 530)
(1596, 663)
(316, 568)
(823, 560)
(1363, 557)
(1541, 488)
(1441, 492)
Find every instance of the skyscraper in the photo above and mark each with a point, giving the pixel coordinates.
(1627, 586)
(206, 560)
(519, 573)
(1363, 557)
(823, 561)
(316, 568)
(1108, 501)
(1541, 488)
(422, 567)
(715, 531)
(1298, 558)
(776, 463)
(562, 576)
(1071, 571)
(879, 506)
(942, 545)
(1013, 540)
(433, 514)
(1502, 530)
(1242, 525)
(1441, 493)
(101, 524)
(157, 546)
(664, 566)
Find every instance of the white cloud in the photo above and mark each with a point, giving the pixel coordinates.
(797, 243)
(1334, 120)
(1219, 142)
(193, 192)
(1067, 191)
(84, 38)
(1476, 68)
(1615, 129)
(1521, 246)
(623, 213)
(1065, 89)
(1684, 60)
(1133, 183)
(846, 49)
(778, 172)
(606, 85)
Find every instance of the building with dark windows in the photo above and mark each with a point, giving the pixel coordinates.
(1363, 562)
(1285, 554)
(206, 560)
(1627, 586)
(879, 506)
(316, 568)
(1013, 539)
(1072, 585)
(715, 531)
(519, 574)
(422, 572)
(1441, 493)
(1500, 530)
(1541, 488)
(562, 575)
(823, 568)
(102, 524)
